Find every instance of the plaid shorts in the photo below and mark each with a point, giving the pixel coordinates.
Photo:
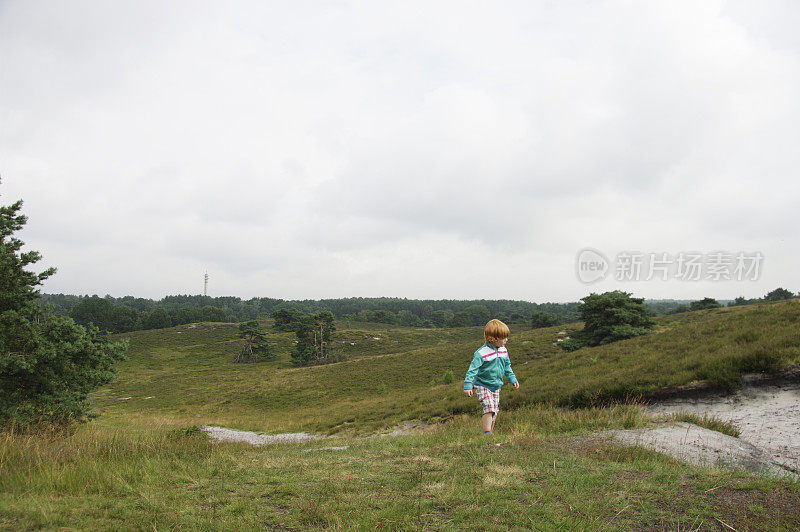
(490, 400)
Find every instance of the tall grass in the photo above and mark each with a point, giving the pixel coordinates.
(541, 469)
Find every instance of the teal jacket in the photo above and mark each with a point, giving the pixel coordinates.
(488, 367)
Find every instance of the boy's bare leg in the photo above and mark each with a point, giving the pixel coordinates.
(494, 418)
(487, 421)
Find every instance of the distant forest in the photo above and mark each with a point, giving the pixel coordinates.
(130, 313)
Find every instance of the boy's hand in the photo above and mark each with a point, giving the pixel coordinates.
(468, 393)
(516, 385)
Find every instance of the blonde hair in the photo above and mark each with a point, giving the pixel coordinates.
(496, 330)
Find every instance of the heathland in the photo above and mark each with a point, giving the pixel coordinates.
(144, 462)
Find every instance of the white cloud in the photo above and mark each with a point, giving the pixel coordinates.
(312, 150)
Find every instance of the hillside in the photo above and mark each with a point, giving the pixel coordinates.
(145, 463)
(184, 374)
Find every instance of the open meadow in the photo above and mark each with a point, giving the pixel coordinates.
(145, 463)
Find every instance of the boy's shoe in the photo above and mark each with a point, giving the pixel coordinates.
(487, 432)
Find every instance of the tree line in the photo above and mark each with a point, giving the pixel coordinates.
(125, 314)
(779, 294)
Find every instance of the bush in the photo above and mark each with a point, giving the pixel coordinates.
(704, 303)
(573, 344)
(448, 378)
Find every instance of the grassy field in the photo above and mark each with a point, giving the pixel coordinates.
(395, 374)
(145, 464)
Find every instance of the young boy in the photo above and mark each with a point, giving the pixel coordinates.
(489, 364)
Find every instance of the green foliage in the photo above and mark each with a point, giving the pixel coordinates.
(408, 319)
(541, 319)
(17, 285)
(133, 313)
(94, 310)
(287, 319)
(704, 303)
(384, 316)
(779, 294)
(679, 309)
(707, 421)
(612, 316)
(188, 433)
(313, 340)
(740, 301)
(48, 364)
(448, 378)
(572, 344)
(256, 344)
(441, 318)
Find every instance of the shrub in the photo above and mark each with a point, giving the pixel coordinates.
(448, 378)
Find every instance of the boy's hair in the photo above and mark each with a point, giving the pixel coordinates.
(496, 330)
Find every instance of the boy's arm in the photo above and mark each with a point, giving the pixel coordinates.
(510, 373)
(477, 360)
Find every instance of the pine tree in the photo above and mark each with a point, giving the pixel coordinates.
(256, 344)
(313, 340)
(48, 364)
(609, 317)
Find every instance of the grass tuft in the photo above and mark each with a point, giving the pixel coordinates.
(707, 421)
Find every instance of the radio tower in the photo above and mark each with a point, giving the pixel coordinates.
(205, 286)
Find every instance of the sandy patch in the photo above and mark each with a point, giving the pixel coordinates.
(221, 434)
(766, 411)
(767, 416)
(701, 446)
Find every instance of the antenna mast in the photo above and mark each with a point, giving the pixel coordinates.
(205, 285)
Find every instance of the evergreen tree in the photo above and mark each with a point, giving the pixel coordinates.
(779, 294)
(313, 340)
(705, 303)
(256, 344)
(287, 319)
(609, 317)
(48, 364)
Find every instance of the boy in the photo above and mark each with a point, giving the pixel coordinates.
(489, 364)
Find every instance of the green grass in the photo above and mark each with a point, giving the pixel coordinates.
(706, 421)
(541, 469)
(143, 465)
(188, 374)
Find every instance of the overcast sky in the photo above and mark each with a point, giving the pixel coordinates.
(412, 149)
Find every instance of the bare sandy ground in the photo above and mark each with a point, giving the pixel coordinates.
(765, 410)
(698, 445)
(221, 434)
